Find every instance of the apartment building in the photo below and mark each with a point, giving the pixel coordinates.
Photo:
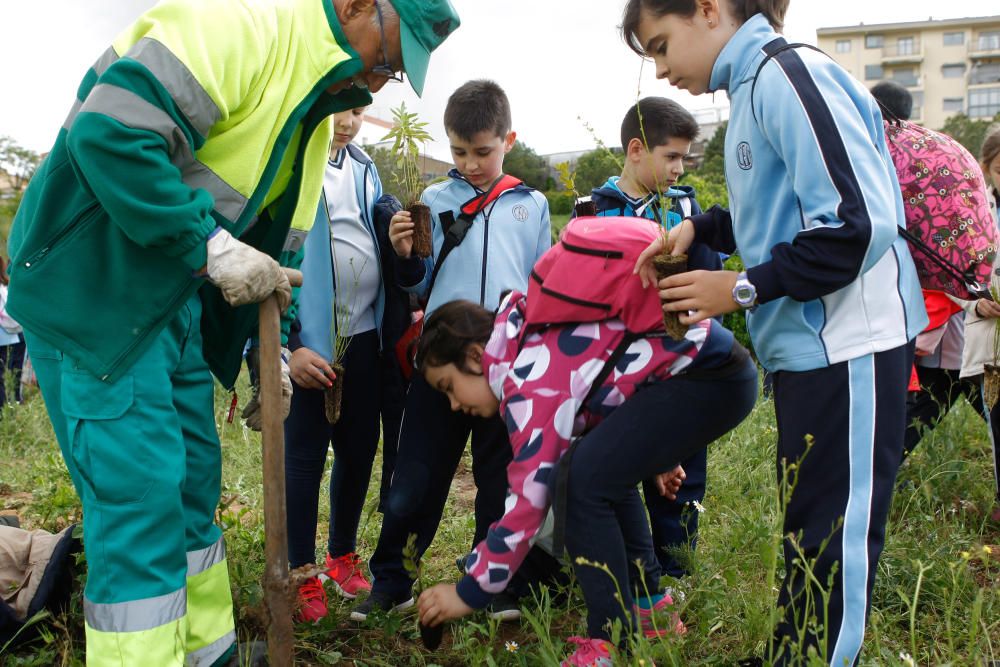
(950, 66)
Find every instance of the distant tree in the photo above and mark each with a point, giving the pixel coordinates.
(527, 165)
(8, 207)
(709, 190)
(713, 162)
(18, 161)
(385, 162)
(970, 133)
(594, 168)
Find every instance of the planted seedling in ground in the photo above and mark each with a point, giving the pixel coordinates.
(430, 636)
(407, 133)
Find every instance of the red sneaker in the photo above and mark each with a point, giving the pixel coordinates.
(311, 601)
(346, 574)
(589, 653)
(656, 622)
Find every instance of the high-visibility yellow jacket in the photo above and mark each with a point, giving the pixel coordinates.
(203, 113)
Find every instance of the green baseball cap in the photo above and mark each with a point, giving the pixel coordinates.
(423, 25)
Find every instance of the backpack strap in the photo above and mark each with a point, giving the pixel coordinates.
(772, 49)
(562, 468)
(456, 229)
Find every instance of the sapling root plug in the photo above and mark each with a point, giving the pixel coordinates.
(667, 264)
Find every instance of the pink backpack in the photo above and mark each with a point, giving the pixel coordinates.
(952, 235)
(587, 276)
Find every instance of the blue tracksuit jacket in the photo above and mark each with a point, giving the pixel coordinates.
(497, 253)
(815, 206)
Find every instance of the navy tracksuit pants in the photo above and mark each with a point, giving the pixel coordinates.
(432, 439)
(660, 425)
(854, 414)
(355, 437)
(674, 523)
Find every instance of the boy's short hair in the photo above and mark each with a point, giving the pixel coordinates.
(655, 121)
(894, 97)
(478, 105)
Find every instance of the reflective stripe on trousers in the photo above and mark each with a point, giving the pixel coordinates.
(144, 457)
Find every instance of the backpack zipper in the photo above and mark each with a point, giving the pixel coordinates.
(606, 254)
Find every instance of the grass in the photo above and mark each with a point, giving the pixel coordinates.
(936, 600)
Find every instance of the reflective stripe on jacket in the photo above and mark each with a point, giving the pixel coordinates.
(203, 113)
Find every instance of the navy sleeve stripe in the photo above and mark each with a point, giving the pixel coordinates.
(838, 163)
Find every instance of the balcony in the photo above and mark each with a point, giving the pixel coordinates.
(985, 46)
(904, 51)
(984, 73)
(910, 82)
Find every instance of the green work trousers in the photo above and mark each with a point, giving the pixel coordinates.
(145, 459)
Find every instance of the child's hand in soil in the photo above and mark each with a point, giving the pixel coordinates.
(401, 233)
(441, 603)
(668, 483)
(679, 239)
(704, 293)
(310, 370)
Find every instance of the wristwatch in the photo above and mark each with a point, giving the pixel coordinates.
(744, 293)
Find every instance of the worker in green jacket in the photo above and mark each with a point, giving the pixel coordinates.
(192, 159)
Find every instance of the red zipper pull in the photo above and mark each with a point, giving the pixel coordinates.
(232, 409)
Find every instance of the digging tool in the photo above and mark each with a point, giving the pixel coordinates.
(280, 637)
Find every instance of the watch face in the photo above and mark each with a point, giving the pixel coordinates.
(744, 295)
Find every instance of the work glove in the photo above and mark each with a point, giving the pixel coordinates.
(245, 274)
(252, 415)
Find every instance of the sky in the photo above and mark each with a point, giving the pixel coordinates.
(562, 62)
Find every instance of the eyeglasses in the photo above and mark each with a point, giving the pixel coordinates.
(385, 69)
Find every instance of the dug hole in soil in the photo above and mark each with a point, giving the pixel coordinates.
(670, 265)
(333, 395)
(420, 215)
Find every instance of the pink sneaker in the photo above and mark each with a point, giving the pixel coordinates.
(589, 653)
(311, 601)
(655, 624)
(345, 572)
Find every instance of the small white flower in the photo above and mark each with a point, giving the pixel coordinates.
(907, 659)
(511, 647)
(698, 506)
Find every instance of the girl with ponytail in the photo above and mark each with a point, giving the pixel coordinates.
(830, 290)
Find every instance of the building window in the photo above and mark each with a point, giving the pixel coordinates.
(873, 41)
(985, 73)
(918, 105)
(984, 103)
(956, 71)
(954, 38)
(843, 46)
(905, 76)
(873, 72)
(906, 46)
(989, 41)
(954, 104)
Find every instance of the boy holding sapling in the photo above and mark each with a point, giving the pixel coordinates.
(340, 329)
(656, 136)
(507, 231)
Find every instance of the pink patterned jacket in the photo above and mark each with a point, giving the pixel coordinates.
(540, 390)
